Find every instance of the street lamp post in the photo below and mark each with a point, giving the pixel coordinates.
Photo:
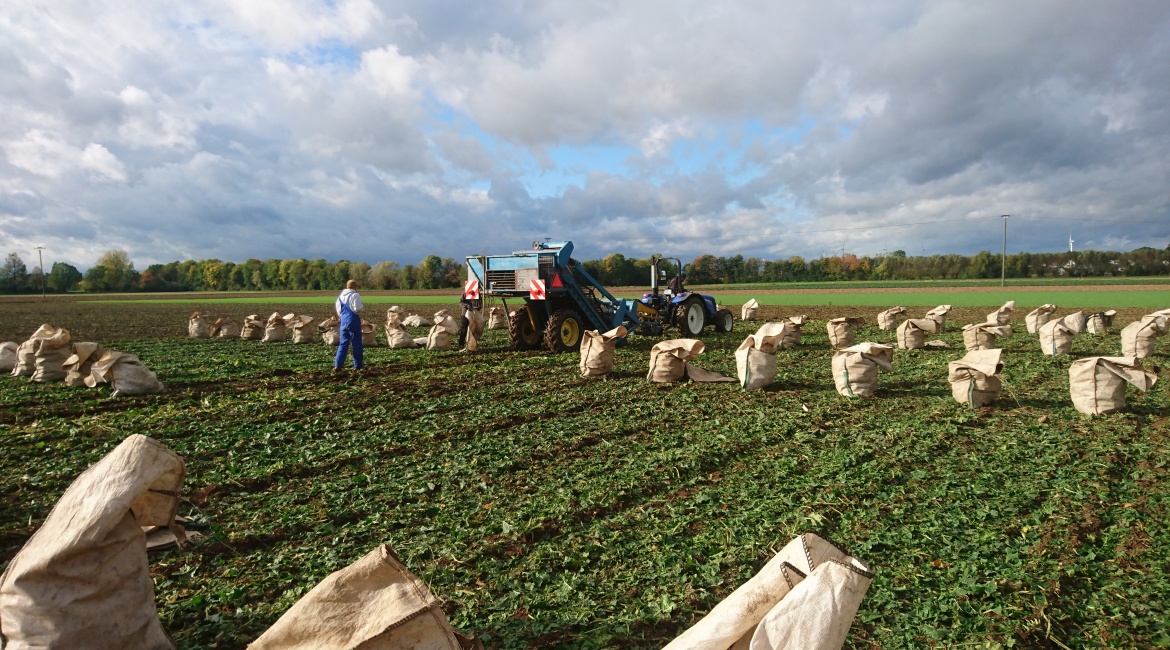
(41, 264)
(1003, 260)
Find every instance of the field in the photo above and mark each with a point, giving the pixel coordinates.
(554, 511)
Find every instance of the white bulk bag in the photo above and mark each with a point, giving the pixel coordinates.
(912, 332)
(414, 320)
(125, 373)
(369, 334)
(253, 328)
(49, 355)
(755, 360)
(939, 314)
(1038, 317)
(1056, 336)
(975, 378)
(397, 337)
(274, 329)
(981, 336)
(1003, 315)
(888, 319)
(197, 326)
(439, 338)
(497, 319)
(1100, 322)
(1139, 338)
(749, 309)
(1097, 384)
(855, 368)
(597, 351)
(79, 366)
(26, 352)
(83, 580)
(225, 328)
(841, 331)
(330, 331)
(8, 356)
(818, 619)
(374, 603)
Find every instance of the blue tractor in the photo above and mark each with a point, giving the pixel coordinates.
(562, 300)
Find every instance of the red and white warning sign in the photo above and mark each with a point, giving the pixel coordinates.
(471, 290)
(536, 289)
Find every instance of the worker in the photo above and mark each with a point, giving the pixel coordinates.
(466, 305)
(676, 285)
(349, 307)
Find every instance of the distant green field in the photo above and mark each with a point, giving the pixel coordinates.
(1089, 298)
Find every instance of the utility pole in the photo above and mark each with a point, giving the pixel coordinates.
(1003, 264)
(41, 263)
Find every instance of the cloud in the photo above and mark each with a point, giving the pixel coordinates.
(372, 130)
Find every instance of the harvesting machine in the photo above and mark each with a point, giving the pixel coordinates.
(562, 300)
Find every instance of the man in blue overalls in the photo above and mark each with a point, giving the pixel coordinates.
(349, 306)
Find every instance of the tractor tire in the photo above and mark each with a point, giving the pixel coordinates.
(724, 321)
(691, 317)
(564, 330)
(521, 334)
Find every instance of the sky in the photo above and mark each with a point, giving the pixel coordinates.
(375, 130)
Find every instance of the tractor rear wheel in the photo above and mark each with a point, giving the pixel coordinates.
(521, 334)
(724, 321)
(564, 330)
(691, 316)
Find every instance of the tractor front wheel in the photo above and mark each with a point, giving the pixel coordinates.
(521, 334)
(564, 330)
(691, 316)
(724, 321)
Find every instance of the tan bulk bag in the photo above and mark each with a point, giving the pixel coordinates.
(755, 360)
(439, 338)
(855, 368)
(841, 331)
(888, 319)
(253, 328)
(497, 319)
(1038, 317)
(125, 373)
(397, 337)
(1100, 322)
(1139, 338)
(1056, 336)
(369, 334)
(817, 613)
(373, 604)
(274, 329)
(912, 332)
(597, 351)
(78, 366)
(981, 336)
(749, 310)
(197, 327)
(83, 580)
(49, 355)
(414, 320)
(303, 330)
(1097, 384)
(740, 619)
(975, 378)
(330, 331)
(475, 326)
(670, 362)
(8, 356)
(1003, 315)
(225, 328)
(26, 352)
(939, 314)
(792, 332)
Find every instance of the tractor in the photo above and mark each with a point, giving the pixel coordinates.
(562, 300)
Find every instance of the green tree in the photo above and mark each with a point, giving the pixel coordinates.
(429, 273)
(63, 277)
(120, 273)
(95, 279)
(14, 274)
(704, 269)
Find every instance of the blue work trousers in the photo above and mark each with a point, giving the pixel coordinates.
(351, 333)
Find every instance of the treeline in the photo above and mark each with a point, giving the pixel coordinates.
(114, 271)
